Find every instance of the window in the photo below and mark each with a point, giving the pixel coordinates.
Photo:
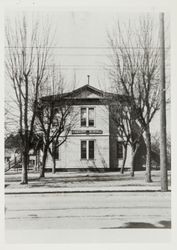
(119, 150)
(87, 150)
(83, 150)
(91, 149)
(54, 122)
(87, 117)
(91, 117)
(56, 118)
(83, 117)
(55, 152)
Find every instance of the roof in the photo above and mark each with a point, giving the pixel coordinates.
(86, 87)
(85, 92)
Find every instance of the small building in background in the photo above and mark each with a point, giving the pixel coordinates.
(9, 154)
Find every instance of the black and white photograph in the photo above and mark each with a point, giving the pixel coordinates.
(87, 123)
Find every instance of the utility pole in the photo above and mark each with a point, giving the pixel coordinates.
(163, 145)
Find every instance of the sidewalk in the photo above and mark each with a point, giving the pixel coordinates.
(77, 182)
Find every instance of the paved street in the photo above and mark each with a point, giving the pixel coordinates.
(88, 210)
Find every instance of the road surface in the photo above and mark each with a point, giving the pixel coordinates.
(88, 210)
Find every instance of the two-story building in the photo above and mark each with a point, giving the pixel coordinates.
(93, 142)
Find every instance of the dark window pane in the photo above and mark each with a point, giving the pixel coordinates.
(91, 117)
(55, 122)
(55, 152)
(91, 149)
(119, 150)
(83, 117)
(83, 150)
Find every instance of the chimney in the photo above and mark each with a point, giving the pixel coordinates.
(88, 79)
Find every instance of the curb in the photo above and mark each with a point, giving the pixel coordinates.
(82, 191)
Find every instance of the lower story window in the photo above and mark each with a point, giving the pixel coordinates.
(83, 149)
(87, 149)
(91, 150)
(55, 151)
(119, 150)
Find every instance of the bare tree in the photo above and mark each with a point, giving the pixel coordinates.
(27, 54)
(135, 72)
(11, 119)
(55, 118)
(127, 128)
(156, 147)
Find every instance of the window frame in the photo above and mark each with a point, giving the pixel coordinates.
(90, 150)
(58, 153)
(122, 150)
(81, 150)
(81, 117)
(87, 150)
(87, 117)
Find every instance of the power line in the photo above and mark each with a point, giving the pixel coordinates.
(82, 65)
(58, 54)
(82, 47)
(78, 65)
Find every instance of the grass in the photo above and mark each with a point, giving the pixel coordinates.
(77, 179)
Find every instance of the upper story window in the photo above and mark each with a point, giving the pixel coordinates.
(91, 117)
(87, 117)
(83, 117)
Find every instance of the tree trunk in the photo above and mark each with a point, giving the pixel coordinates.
(132, 164)
(25, 160)
(54, 165)
(26, 137)
(37, 161)
(148, 155)
(124, 159)
(42, 169)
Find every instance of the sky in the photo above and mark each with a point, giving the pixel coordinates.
(81, 48)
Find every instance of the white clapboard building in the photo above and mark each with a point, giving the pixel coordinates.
(93, 142)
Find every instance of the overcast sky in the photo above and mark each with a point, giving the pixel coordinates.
(81, 46)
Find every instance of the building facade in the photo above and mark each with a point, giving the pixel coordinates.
(93, 142)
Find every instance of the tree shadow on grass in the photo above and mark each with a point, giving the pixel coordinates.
(165, 224)
(137, 225)
(84, 178)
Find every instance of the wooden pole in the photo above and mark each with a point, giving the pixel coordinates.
(163, 146)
